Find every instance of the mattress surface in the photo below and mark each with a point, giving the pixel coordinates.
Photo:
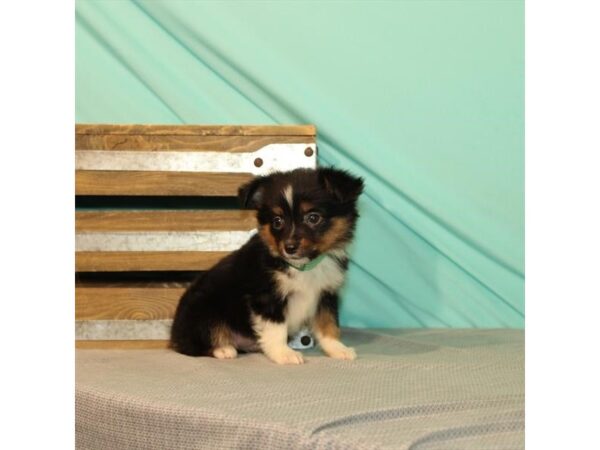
(408, 389)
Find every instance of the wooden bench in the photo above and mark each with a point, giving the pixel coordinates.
(133, 264)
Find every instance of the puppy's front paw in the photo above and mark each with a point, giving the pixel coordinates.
(226, 352)
(286, 356)
(343, 353)
(335, 349)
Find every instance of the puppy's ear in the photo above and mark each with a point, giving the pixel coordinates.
(251, 194)
(345, 187)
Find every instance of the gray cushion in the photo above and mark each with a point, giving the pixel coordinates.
(417, 389)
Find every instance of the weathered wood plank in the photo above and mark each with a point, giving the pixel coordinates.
(145, 261)
(209, 220)
(198, 130)
(98, 302)
(123, 345)
(158, 183)
(150, 142)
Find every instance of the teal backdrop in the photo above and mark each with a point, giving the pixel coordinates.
(424, 99)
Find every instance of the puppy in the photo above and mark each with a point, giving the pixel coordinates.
(285, 277)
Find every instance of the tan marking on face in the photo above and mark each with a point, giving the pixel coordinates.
(306, 207)
(220, 335)
(269, 239)
(339, 228)
(278, 211)
(325, 324)
(305, 245)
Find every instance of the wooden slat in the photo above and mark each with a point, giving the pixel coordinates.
(123, 345)
(142, 142)
(122, 302)
(158, 183)
(210, 220)
(145, 261)
(199, 130)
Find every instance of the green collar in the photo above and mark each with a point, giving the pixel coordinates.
(309, 265)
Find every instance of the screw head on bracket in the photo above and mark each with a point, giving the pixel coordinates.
(309, 151)
(258, 162)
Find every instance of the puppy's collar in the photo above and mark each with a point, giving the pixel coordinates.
(309, 265)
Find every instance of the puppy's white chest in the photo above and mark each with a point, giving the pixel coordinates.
(303, 290)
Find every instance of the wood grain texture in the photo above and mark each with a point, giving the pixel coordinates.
(199, 130)
(142, 142)
(145, 261)
(209, 220)
(126, 302)
(158, 183)
(123, 345)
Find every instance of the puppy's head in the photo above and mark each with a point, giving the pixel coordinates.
(304, 213)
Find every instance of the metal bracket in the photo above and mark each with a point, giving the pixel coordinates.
(270, 158)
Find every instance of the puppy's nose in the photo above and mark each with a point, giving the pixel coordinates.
(291, 247)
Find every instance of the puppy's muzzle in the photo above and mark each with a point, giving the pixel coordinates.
(291, 247)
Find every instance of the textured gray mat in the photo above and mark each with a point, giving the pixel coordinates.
(408, 389)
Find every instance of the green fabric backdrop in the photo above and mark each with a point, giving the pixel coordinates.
(423, 99)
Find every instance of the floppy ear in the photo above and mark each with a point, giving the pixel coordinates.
(345, 187)
(251, 194)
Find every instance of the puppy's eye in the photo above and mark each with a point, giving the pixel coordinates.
(312, 218)
(277, 223)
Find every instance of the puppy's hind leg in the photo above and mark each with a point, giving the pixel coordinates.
(225, 352)
(222, 342)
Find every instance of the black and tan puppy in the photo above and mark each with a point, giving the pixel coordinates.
(285, 277)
